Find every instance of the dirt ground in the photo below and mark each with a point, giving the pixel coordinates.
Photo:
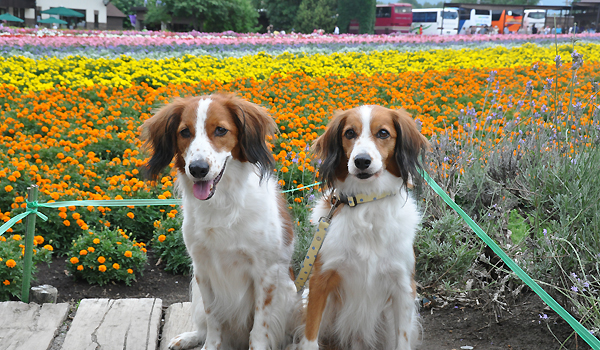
(453, 327)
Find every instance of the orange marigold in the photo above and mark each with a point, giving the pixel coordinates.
(48, 247)
(96, 240)
(74, 260)
(91, 249)
(162, 238)
(102, 268)
(80, 268)
(101, 259)
(83, 252)
(11, 263)
(128, 254)
(6, 282)
(130, 215)
(129, 271)
(116, 266)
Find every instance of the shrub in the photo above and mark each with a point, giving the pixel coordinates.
(107, 255)
(11, 263)
(169, 246)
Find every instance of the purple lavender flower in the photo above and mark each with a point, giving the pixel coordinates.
(558, 61)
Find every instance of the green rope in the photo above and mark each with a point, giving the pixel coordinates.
(32, 206)
(578, 327)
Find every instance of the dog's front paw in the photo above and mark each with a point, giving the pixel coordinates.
(306, 344)
(185, 341)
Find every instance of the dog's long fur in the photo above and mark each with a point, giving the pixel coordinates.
(236, 230)
(362, 289)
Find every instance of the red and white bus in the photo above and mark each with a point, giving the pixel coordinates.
(390, 18)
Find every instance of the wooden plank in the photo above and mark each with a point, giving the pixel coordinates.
(30, 326)
(178, 319)
(105, 324)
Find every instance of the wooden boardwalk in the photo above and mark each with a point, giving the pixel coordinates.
(132, 324)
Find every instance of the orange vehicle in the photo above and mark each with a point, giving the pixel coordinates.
(507, 18)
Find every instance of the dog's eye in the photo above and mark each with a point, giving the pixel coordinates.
(349, 134)
(220, 131)
(383, 134)
(185, 133)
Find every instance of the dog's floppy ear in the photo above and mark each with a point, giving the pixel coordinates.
(254, 125)
(410, 146)
(160, 135)
(329, 149)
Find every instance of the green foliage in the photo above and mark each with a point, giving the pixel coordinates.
(157, 13)
(216, 15)
(445, 249)
(518, 226)
(316, 14)
(169, 246)
(361, 10)
(11, 263)
(99, 257)
(282, 13)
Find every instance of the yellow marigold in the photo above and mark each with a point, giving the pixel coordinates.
(128, 254)
(83, 252)
(96, 240)
(6, 282)
(130, 215)
(101, 268)
(80, 268)
(48, 247)
(129, 271)
(91, 249)
(16, 237)
(101, 259)
(74, 260)
(162, 238)
(116, 266)
(11, 263)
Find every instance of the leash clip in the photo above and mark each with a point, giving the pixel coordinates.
(335, 202)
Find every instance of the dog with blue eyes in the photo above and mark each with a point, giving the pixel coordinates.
(362, 289)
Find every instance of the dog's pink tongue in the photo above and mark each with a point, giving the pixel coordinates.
(202, 189)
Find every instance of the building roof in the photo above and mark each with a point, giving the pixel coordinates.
(113, 11)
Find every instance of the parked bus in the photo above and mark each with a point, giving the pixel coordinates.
(537, 17)
(390, 18)
(435, 21)
(511, 19)
(472, 18)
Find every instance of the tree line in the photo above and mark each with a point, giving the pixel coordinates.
(242, 16)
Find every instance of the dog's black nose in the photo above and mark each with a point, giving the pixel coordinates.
(362, 161)
(199, 169)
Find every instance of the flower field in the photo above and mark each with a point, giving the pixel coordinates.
(497, 112)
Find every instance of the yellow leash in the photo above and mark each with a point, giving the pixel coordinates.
(317, 242)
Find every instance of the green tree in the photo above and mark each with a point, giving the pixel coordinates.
(316, 14)
(361, 10)
(157, 13)
(125, 7)
(282, 13)
(216, 15)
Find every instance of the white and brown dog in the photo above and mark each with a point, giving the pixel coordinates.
(236, 226)
(362, 288)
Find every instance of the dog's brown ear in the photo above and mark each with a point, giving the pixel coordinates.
(160, 135)
(411, 145)
(254, 124)
(330, 150)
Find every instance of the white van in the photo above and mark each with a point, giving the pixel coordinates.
(435, 21)
(537, 17)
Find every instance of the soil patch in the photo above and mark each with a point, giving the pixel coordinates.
(154, 283)
(452, 327)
